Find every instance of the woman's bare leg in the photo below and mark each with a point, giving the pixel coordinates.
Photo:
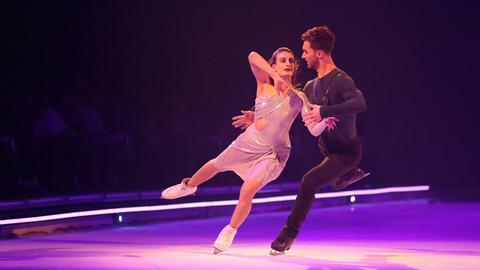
(249, 188)
(205, 173)
(244, 205)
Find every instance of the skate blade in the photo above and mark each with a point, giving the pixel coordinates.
(358, 179)
(274, 252)
(216, 250)
(337, 188)
(161, 197)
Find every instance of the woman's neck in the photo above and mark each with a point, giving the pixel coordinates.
(287, 79)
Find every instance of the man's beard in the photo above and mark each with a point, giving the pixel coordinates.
(313, 64)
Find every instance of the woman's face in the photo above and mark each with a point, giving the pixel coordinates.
(284, 64)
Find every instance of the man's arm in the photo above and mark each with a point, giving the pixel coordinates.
(354, 101)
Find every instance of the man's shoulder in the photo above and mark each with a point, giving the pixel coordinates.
(343, 79)
(309, 84)
(343, 75)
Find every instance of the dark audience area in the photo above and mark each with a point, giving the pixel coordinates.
(65, 141)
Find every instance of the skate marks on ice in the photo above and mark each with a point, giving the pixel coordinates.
(317, 255)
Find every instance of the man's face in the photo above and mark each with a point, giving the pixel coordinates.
(309, 55)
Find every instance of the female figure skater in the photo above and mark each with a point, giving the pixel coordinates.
(260, 153)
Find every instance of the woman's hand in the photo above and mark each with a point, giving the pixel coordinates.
(243, 121)
(331, 122)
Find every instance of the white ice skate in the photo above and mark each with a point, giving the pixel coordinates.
(224, 239)
(179, 190)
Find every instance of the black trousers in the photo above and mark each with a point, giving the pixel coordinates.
(340, 158)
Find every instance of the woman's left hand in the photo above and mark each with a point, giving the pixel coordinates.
(331, 122)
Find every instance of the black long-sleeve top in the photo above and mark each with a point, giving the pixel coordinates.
(343, 101)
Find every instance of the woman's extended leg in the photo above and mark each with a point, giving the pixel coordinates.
(205, 173)
(188, 186)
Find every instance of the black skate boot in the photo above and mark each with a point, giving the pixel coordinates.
(282, 243)
(349, 178)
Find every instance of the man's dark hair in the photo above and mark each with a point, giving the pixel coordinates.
(320, 38)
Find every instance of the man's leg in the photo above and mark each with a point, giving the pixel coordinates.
(356, 173)
(331, 167)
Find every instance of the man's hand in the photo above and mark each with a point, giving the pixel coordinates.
(313, 116)
(243, 121)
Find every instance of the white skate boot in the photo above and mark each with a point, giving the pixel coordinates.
(224, 239)
(179, 190)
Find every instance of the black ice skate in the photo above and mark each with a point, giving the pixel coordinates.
(281, 244)
(349, 178)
